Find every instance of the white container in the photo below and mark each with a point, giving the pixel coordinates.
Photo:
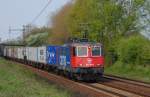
(33, 54)
(15, 52)
(20, 53)
(42, 55)
(27, 52)
(5, 51)
(9, 52)
(18, 50)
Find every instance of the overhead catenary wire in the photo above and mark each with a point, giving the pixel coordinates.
(38, 15)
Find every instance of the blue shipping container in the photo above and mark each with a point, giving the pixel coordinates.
(52, 55)
(64, 58)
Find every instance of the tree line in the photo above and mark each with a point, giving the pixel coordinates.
(114, 23)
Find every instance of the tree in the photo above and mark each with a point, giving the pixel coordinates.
(143, 22)
(60, 32)
(38, 36)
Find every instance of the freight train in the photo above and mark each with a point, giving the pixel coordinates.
(81, 61)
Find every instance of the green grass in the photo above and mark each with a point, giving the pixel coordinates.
(136, 72)
(16, 81)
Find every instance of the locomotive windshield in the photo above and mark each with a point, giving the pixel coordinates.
(82, 51)
(96, 51)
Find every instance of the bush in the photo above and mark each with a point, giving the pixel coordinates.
(38, 39)
(134, 50)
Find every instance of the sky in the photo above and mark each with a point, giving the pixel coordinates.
(16, 13)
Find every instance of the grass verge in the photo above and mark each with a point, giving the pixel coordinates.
(16, 81)
(136, 72)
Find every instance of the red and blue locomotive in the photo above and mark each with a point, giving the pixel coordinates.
(87, 61)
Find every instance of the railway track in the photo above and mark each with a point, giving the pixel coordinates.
(133, 86)
(108, 86)
(122, 79)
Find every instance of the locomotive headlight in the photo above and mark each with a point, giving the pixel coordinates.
(81, 64)
(98, 64)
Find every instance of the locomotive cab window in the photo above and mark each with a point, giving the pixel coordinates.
(82, 51)
(96, 51)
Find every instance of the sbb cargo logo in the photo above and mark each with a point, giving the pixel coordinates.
(89, 60)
